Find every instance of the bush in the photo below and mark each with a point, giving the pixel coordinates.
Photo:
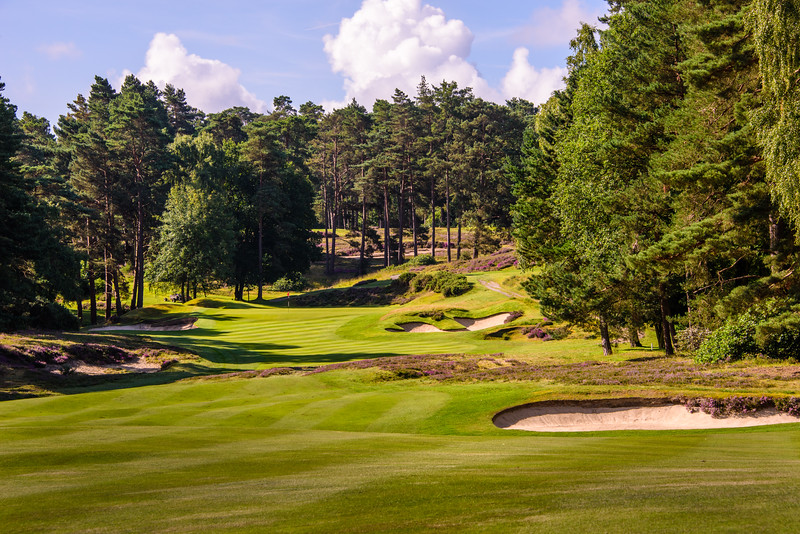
(406, 278)
(450, 284)
(689, 339)
(779, 337)
(443, 282)
(766, 329)
(291, 282)
(421, 260)
(421, 282)
(52, 316)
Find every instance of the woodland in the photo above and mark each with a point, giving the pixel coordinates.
(659, 189)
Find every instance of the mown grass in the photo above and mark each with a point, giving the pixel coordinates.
(343, 452)
(359, 450)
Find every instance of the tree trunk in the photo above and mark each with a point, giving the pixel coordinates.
(117, 296)
(361, 264)
(79, 305)
(458, 241)
(633, 337)
(447, 207)
(605, 339)
(326, 218)
(413, 216)
(666, 329)
(476, 237)
(334, 227)
(774, 237)
(433, 217)
(400, 222)
(92, 298)
(659, 335)
(260, 247)
(107, 282)
(135, 287)
(386, 243)
(140, 254)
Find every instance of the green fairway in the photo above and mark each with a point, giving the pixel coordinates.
(339, 452)
(363, 450)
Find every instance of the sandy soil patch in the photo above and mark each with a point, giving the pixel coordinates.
(467, 323)
(589, 417)
(137, 366)
(170, 326)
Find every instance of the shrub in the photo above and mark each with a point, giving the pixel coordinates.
(290, 282)
(406, 278)
(421, 282)
(765, 329)
(450, 284)
(421, 260)
(52, 316)
(690, 339)
(779, 337)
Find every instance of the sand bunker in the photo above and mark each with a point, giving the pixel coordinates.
(187, 323)
(138, 366)
(482, 324)
(468, 324)
(614, 415)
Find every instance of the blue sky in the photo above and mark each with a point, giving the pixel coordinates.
(235, 52)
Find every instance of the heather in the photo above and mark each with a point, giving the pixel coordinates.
(646, 372)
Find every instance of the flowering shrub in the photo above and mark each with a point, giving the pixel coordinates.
(513, 316)
(494, 262)
(790, 405)
(96, 353)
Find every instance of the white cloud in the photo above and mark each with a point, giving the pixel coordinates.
(389, 44)
(56, 51)
(210, 84)
(556, 27)
(525, 81)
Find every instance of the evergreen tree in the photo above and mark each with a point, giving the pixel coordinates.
(35, 263)
(138, 138)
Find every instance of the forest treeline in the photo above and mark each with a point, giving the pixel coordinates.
(135, 186)
(661, 186)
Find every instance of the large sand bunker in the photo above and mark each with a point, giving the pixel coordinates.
(467, 323)
(627, 414)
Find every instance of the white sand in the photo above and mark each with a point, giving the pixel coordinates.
(419, 327)
(468, 324)
(585, 419)
(484, 323)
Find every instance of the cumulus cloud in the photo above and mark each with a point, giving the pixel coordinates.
(210, 84)
(556, 27)
(56, 51)
(389, 44)
(525, 81)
